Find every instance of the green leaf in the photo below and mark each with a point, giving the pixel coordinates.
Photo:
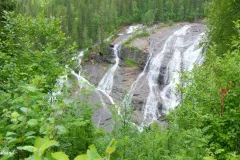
(39, 142)
(61, 129)
(28, 148)
(29, 133)
(32, 122)
(43, 129)
(34, 157)
(111, 147)
(21, 118)
(42, 144)
(219, 151)
(15, 115)
(31, 88)
(209, 158)
(30, 137)
(93, 154)
(82, 157)
(60, 156)
(46, 145)
(24, 109)
(51, 120)
(23, 74)
(12, 140)
(10, 134)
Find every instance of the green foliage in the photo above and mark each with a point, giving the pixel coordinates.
(5, 5)
(60, 156)
(204, 107)
(162, 26)
(220, 18)
(170, 22)
(86, 55)
(130, 63)
(31, 115)
(34, 52)
(92, 153)
(135, 49)
(148, 17)
(40, 150)
(136, 35)
(32, 47)
(154, 143)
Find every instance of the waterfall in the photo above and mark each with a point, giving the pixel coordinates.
(156, 70)
(162, 72)
(106, 83)
(59, 85)
(128, 97)
(185, 62)
(82, 82)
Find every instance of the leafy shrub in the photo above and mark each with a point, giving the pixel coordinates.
(170, 22)
(33, 53)
(30, 47)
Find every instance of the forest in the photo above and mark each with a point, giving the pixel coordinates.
(38, 39)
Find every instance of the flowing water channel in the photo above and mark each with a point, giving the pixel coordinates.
(105, 86)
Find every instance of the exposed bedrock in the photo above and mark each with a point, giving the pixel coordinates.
(134, 54)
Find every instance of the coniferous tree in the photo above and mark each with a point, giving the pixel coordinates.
(104, 16)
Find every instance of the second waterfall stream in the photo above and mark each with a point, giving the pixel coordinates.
(106, 84)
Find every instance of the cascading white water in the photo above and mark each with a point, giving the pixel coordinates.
(184, 62)
(106, 84)
(128, 97)
(193, 54)
(63, 79)
(82, 82)
(59, 85)
(151, 111)
(177, 57)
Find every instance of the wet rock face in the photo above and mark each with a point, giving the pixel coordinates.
(110, 57)
(107, 57)
(133, 54)
(124, 76)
